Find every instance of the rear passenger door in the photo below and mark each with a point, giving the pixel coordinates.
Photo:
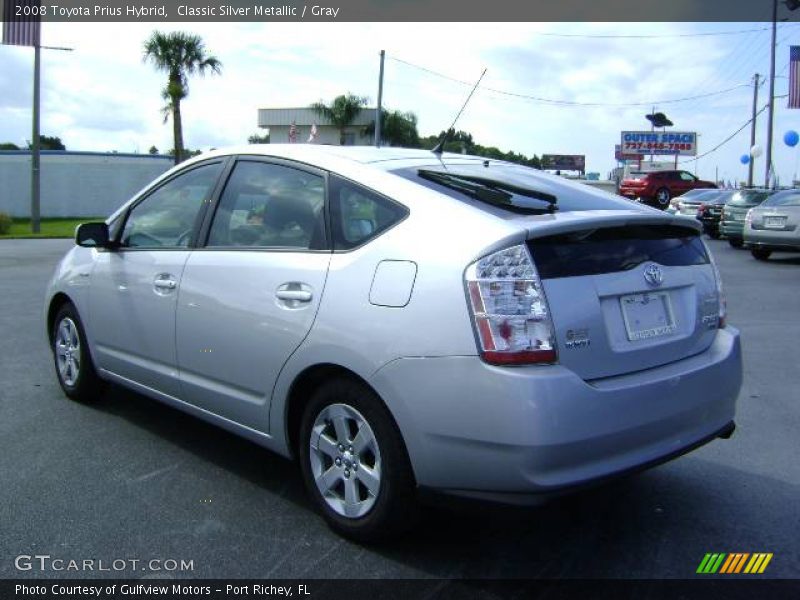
(249, 296)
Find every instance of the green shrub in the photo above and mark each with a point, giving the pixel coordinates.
(5, 223)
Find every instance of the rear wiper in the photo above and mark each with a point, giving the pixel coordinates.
(497, 193)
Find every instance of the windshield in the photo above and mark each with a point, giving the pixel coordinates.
(748, 197)
(785, 198)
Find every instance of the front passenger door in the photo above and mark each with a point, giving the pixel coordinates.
(134, 287)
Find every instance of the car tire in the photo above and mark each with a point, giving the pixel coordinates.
(73, 361)
(663, 197)
(354, 463)
(735, 242)
(761, 253)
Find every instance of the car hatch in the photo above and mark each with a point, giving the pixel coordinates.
(627, 298)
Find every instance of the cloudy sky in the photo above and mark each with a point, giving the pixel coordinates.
(102, 97)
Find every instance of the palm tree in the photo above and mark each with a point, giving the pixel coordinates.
(180, 55)
(342, 111)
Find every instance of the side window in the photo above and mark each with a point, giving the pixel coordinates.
(358, 214)
(270, 206)
(687, 176)
(166, 218)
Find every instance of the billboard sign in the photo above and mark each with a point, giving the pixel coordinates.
(564, 162)
(620, 156)
(681, 143)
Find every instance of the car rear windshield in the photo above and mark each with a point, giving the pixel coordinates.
(748, 198)
(614, 249)
(502, 188)
(786, 198)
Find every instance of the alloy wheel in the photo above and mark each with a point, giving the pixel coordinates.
(345, 460)
(68, 351)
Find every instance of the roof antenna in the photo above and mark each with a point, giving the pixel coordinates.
(439, 148)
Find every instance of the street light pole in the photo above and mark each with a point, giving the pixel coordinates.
(771, 92)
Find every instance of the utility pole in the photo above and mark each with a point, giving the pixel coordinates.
(35, 142)
(771, 92)
(380, 104)
(753, 131)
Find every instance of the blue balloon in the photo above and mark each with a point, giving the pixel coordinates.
(791, 138)
(745, 159)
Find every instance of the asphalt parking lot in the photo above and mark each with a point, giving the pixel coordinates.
(132, 479)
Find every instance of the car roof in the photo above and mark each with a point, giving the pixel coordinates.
(319, 152)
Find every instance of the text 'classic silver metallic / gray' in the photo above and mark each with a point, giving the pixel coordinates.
(399, 320)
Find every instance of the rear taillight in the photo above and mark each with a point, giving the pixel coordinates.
(723, 304)
(509, 309)
(702, 209)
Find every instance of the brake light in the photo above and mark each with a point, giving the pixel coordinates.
(723, 303)
(509, 309)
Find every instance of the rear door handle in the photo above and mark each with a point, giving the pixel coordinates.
(294, 295)
(298, 295)
(164, 282)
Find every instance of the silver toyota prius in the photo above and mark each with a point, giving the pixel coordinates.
(400, 320)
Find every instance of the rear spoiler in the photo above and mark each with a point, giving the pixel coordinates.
(566, 222)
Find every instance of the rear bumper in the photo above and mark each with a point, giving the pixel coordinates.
(732, 229)
(492, 432)
(765, 238)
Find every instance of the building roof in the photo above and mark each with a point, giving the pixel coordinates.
(305, 117)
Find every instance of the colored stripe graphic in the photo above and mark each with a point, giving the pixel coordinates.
(758, 563)
(729, 564)
(734, 563)
(711, 563)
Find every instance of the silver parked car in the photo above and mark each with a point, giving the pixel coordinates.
(774, 225)
(400, 320)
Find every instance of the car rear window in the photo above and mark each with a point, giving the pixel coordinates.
(748, 198)
(614, 249)
(569, 195)
(787, 198)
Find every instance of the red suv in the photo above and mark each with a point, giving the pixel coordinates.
(658, 187)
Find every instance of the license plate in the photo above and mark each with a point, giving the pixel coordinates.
(775, 222)
(647, 315)
(737, 217)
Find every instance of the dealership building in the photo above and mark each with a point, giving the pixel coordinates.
(279, 123)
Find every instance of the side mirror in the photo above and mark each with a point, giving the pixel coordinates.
(92, 235)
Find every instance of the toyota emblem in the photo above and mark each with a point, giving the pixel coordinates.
(654, 275)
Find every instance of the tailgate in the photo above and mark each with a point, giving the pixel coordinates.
(624, 298)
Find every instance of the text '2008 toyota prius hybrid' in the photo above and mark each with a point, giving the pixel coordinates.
(400, 320)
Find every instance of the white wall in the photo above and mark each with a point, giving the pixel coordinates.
(76, 184)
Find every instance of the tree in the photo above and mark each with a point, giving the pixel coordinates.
(49, 143)
(459, 141)
(342, 111)
(397, 129)
(153, 150)
(8, 146)
(258, 139)
(180, 55)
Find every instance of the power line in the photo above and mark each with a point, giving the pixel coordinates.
(560, 102)
(646, 36)
(730, 137)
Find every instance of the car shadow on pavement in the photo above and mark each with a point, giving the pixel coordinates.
(657, 524)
